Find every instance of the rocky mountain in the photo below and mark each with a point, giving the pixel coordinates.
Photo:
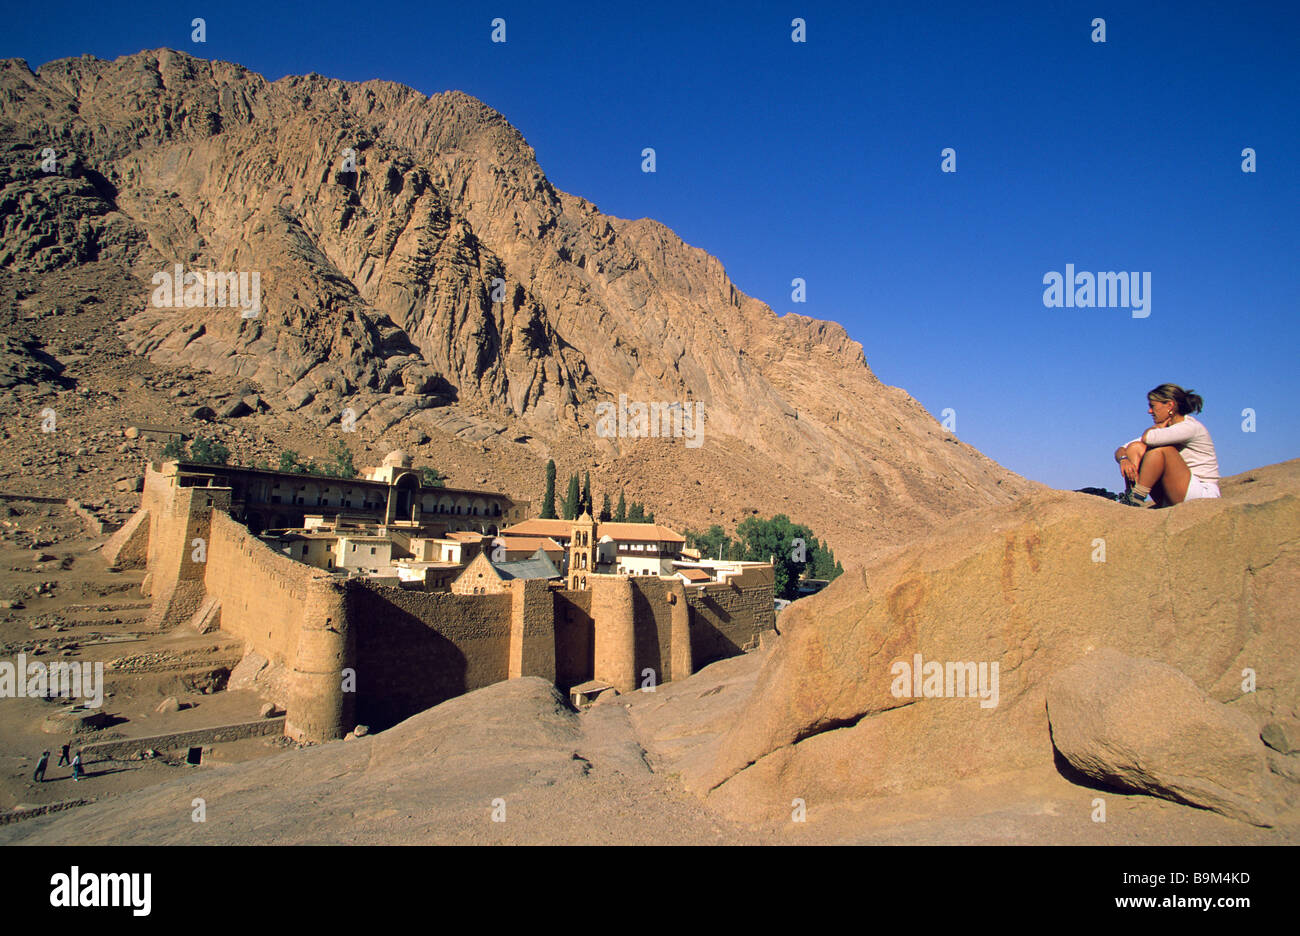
(414, 266)
(1181, 685)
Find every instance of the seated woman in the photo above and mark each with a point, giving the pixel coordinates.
(1174, 461)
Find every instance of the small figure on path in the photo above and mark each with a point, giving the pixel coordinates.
(77, 772)
(39, 774)
(63, 756)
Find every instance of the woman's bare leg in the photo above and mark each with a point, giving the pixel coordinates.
(1163, 465)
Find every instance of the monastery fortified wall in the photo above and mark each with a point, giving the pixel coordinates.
(352, 651)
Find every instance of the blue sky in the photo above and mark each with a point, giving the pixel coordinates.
(821, 160)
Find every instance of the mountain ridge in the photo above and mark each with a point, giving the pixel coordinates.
(446, 279)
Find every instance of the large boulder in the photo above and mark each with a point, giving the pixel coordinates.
(1143, 725)
(1020, 592)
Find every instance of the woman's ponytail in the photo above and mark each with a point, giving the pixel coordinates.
(1187, 401)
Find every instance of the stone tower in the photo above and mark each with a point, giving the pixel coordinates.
(582, 551)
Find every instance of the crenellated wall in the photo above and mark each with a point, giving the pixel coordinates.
(726, 618)
(355, 652)
(613, 613)
(574, 633)
(178, 519)
(292, 614)
(416, 649)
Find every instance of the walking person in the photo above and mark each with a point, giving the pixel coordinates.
(77, 772)
(63, 756)
(39, 774)
(1174, 461)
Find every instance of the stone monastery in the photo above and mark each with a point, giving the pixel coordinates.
(367, 600)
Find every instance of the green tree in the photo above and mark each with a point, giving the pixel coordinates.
(548, 499)
(715, 544)
(775, 539)
(636, 513)
(432, 477)
(209, 452)
(174, 448)
(605, 512)
(572, 500)
(793, 547)
(620, 513)
(289, 462)
(822, 562)
(586, 492)
(343, 467)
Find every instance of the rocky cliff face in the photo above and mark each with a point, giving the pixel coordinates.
(848, 705)
(417, 267)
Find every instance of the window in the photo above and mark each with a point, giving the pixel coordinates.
(372, 550)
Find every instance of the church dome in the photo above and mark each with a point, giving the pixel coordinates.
(397, 459)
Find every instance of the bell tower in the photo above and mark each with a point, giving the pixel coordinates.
(582, 551)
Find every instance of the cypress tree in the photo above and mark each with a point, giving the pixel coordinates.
(548, 501)
(586, 492)
(620, 514)
(605, 512)
(572, 500)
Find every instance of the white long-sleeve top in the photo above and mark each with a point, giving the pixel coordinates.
(1193, 442)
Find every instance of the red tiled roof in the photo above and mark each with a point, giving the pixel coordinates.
(531, 543)
(638, 533)
(540, 527)
(465, 536)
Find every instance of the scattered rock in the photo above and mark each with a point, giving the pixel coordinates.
(299, 397)
(75, 719)
(1282, 735)
(1144, 726)
(233, 410)
(169, 704)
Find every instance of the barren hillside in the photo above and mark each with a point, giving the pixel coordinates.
(444, 291)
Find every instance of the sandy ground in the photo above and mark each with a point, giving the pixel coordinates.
(88, 614)
(511, 763)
